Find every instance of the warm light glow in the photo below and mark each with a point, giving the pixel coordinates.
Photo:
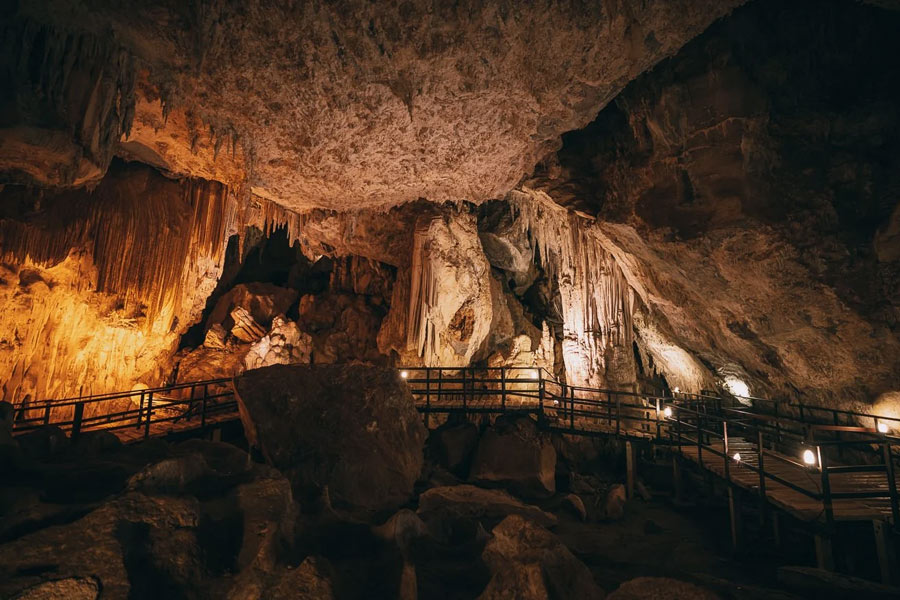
(533, 374)
(882, 428)
(736, 387)
(404, 374)
(667, 412)
(556, 402)
(737, 457)
(809, 457)
(676, 390)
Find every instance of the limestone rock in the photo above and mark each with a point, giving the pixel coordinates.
(215, 337)
(576, 506)
(351, 429)
(309, 581)
(662, 588)
(514, 453)
(527, 561)
(245, 328)
(403, 528)
(441, 305)
(615, 502)
(68, 588)
(468, 501)
(262, 301)
(285, 344)
(453, 445)
(484, 123)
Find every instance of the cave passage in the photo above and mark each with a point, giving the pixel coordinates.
(450, 300)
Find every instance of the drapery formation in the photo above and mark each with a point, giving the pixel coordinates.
(597, 303)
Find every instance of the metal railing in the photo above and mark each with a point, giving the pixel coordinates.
(775, 431)
(194, 403)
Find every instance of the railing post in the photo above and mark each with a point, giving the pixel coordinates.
(203, 406)
(826, 491)
(572, 409)
(892, 484)
(503, 389)
(440, 390)
(609, 409)
(465, 400)
(149, 415)
(541, 393)
(76, 420)
(699, 440)
(658, 424)
(763, 509)
(726, 453)
(618, 413)
(140, 410)
(427, 395)
(47, 414)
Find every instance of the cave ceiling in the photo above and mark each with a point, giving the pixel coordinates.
(335, 105)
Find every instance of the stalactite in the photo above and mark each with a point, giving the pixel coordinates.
(420, 332)
(597, 301)
(87, 82)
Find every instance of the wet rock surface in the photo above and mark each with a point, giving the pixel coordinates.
(349, 432)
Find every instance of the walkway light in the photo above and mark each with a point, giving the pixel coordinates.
(737, 457)
(667, 412)
(882, 428)
(676, 390)
(809, 457)
(404, 374)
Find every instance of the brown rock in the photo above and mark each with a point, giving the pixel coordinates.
(616, 499)
(215, 337)
(310, 581)
(576, 506)
(352, 429)
(533, 563)
(69, 588)
(469, 501)
(454, 445)
(263, 302)
(660, 588)
(514, 453)
(245, 328)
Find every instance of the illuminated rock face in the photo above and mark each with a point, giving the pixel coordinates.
(98, 286)
(751, 197)
(334, 106)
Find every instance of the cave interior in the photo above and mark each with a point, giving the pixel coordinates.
(668, 199)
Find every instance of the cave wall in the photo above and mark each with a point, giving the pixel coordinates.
(749, 183)
(98, 285)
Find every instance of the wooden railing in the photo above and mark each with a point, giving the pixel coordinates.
(192, 403)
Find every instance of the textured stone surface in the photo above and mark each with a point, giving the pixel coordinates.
(750, 199)
(649, 588)
(349, 429)
(527, 561)
(468, 501)
(343, 106)
(513, 453)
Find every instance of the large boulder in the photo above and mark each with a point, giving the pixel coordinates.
(262, 301)
(470, 502)
(513, 453)
(452, 445)
(180, 524)
(350, 432)
(529, 562)
(661, 588)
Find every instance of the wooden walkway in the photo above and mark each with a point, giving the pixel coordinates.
(745, 474)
